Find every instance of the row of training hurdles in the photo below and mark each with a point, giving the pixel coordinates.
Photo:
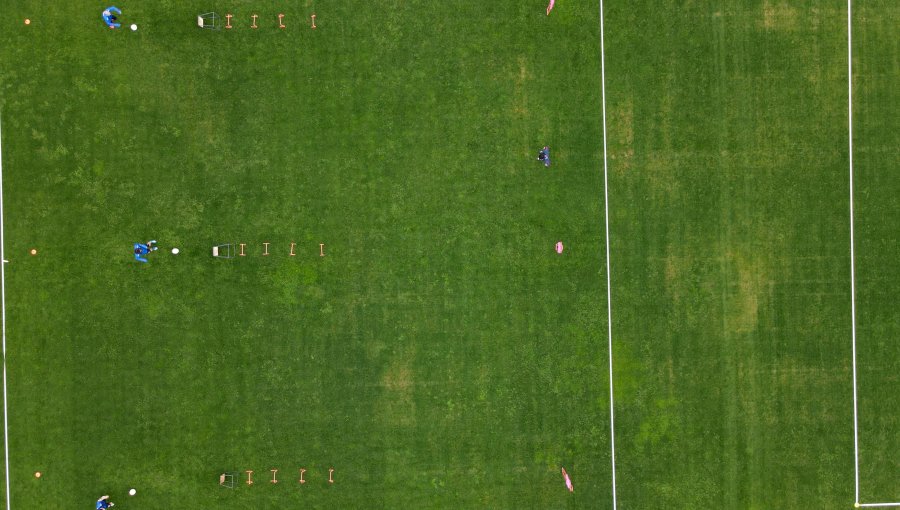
(228, 479)
(213, 21)
(228, 251)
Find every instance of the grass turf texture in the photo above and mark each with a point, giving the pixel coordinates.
(441, 355)
(731, 253)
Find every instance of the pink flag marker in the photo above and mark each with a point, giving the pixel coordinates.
(559, 247)
(550, 6)
(568, 480)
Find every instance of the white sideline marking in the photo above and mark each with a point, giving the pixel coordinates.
(852, 253)
(612, 420)
(853, 265)
(3, 307)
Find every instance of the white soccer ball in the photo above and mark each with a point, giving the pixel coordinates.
(134, 27)
(174, 251)
(132, 492)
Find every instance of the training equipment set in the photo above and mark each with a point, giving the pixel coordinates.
(228, 479)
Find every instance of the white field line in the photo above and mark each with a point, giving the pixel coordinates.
(853, 265)
(3, 307)
(852, 253)
(612, 419)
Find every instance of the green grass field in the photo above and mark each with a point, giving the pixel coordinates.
(441, 354)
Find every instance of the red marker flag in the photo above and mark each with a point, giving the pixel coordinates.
(550, 6)
(568, 480)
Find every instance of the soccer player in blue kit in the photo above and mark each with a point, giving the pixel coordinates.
(140, 250)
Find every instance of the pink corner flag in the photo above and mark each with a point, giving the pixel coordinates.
(568, 480)
(550, 6)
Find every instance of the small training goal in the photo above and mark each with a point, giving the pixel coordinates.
(223, 251)
(208, 20)
(227, 480)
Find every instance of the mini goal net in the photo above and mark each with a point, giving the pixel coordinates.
(227, 480)
(208, 20)
(223, 251)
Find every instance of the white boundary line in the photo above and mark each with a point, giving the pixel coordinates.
(857, 504)
(852, 252)
(3, 307)
(852, 262)
(612, 419)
